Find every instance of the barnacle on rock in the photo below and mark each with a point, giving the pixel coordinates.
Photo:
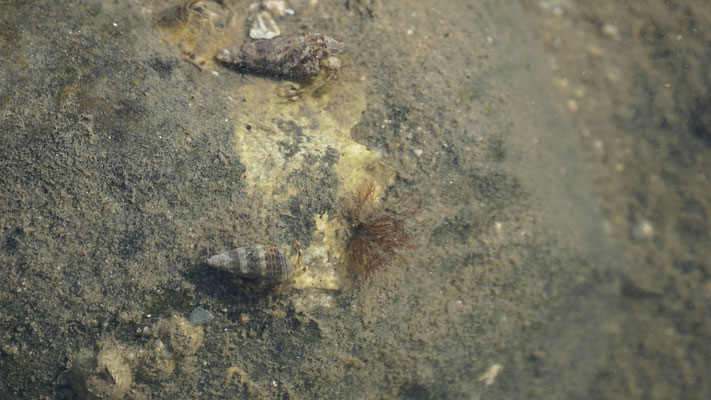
(103, 372)
(157, 364)
(184, 338)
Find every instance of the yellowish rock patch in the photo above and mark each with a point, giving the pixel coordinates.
(275, 138)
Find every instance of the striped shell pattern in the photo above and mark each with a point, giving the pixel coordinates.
(264, 264)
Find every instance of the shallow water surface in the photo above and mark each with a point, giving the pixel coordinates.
(544, 164)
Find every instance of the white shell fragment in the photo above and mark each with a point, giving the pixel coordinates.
(222, 260)
(264, 27)
(276, 7)
(489, 377)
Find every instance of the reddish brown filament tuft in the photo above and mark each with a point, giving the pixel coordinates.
(375, 236)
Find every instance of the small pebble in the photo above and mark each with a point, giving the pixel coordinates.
(643, 230)
(199, 316)
(418, 152)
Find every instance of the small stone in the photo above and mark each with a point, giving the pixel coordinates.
(611, 31)
(199, 316)
(643, 230)
(418, 152)
(489, 377)
(276, 7)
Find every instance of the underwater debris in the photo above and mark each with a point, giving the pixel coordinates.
(264, 265)
(293, 57)
(376, 235)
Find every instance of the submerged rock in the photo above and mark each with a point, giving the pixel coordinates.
(199, 316)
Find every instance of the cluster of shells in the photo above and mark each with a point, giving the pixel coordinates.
(107, 370)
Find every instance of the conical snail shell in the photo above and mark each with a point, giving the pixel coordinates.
(259, 263)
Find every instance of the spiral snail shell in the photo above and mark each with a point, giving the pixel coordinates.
(263, 264)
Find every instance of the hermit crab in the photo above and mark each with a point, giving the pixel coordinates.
(310, 60)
